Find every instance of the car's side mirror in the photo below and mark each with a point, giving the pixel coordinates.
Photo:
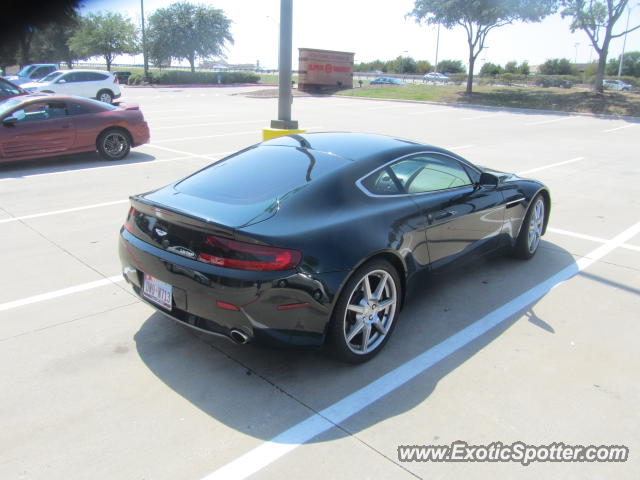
(9, 121)
(488, 180)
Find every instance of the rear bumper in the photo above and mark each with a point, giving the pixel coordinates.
(140, 134)
(264, 300)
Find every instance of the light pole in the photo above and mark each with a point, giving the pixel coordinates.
(624, 43)
(284, 125)
(435, 67)
(145, 59)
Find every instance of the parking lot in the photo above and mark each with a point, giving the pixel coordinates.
(96, 384)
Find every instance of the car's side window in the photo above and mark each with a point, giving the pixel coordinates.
(422, 173)
(436, 172)
(382, 182)
(77, 109)
(35, 112)
(70, 77)
(38, 72)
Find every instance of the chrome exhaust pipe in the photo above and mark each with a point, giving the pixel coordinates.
(239, 336)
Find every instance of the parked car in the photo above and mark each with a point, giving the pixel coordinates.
(618, 85)
(9, 89)
(32, 73)
(286, 243)
(435, 77)
(387, 81)
(98, 84)
(39, 125)
(122, 76)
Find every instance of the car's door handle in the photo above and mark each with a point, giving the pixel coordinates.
(444, 214)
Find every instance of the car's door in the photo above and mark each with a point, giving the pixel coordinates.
(458, 215)
(41, 128)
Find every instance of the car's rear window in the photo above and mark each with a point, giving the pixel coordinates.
(259, 174)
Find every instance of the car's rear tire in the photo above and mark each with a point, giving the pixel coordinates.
(114, 144)
(531, 230)
(105, 96)
(366, 312)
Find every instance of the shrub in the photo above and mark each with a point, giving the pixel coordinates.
(136, 79)
(556, 81)
(182, 77)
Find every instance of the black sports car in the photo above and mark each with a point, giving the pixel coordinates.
(315, 237)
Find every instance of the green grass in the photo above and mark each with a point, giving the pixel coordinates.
(557, 99)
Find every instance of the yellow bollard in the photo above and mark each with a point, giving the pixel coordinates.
(269, 133)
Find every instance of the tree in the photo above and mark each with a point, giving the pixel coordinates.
(511, 67)
(105, 34)
(523, 68)
(19, 23)
(451, 66)
(491, 70)
(50, 44)
(597, 19)
(478, 18)
(630, 65)
(187, 32)
(558, 66)
(403, 65)
(423, 66)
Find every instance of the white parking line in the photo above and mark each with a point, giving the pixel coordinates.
(242, 122)
(252, 132)
(185, 156)
(537, 169)
(490, 115)
(268, 452)
(196, 155)
(542, 122)
(425, 112)
(60, 293)
(589, 237)
(620, 128)
(67, 210)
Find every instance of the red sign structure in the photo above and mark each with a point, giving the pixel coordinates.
(321, 69)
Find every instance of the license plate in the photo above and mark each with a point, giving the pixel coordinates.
(156, 291)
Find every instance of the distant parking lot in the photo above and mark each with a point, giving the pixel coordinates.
(98, 385)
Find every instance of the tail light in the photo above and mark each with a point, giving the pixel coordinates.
(115, 79)
(247, 256)
(129, 222)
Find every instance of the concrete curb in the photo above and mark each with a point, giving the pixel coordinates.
(492, 108)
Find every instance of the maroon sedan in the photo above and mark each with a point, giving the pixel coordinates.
(38, 125)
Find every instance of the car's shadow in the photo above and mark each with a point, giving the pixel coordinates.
(66, 163)
(217, 376)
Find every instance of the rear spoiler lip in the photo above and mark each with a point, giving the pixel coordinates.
(182, 218)
(127, 105)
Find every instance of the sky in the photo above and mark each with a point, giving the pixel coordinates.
(378, 29)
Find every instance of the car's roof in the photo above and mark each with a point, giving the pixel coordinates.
(32, 97)
(83, 70)
(352, 146)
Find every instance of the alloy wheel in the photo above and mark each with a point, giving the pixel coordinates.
(536, 223)
(370, 312)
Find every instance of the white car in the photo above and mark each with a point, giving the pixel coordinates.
(618, 85)
(436, 77)
(98, 84)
